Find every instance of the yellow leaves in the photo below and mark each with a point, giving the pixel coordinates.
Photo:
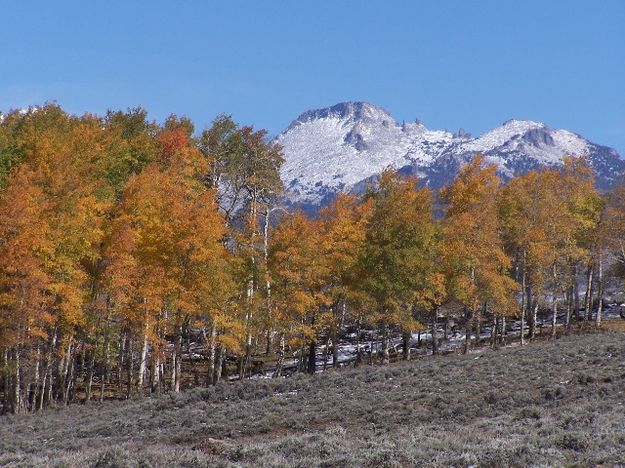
(70, 300)
(297, 268)
(72, 243)
(473, 258)
(24, 281)
(474, 182)
(113, 216)
(296, 248)
(165, 250)
(398, 253)
(232, 331)
(409, 324)
(550, 217)
(344, 231)
(433, 293)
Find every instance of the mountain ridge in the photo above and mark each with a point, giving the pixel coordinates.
(340, 147)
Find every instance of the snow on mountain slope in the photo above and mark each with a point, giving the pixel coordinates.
(333, 149)
(337, 148)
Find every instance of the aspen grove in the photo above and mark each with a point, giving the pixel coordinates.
(124, 243)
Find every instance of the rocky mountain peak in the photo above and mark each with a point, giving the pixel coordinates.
(340, 147)
(350, 112)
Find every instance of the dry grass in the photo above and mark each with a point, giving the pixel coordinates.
(616, 325)
(557, 402)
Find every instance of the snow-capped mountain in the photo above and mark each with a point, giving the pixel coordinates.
(341, 147)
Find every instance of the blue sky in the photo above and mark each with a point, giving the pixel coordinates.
(471, 64)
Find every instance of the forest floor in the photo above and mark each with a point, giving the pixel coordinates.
(555, 402)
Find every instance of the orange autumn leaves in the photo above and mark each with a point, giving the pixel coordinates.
(24, 280)
(166, 258)
(389, 257)
(70, 237)
(121, 238)
(473, 258)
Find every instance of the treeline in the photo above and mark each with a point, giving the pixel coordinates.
(121, 240)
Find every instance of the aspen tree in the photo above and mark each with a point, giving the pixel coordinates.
(395, 260)
(475, 264)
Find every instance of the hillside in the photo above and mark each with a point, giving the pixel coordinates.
(552, 403)
(341, 147)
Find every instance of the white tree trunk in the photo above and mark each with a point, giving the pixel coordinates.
(17, 391)
(144, 356)
(588, 297)
(600, 288)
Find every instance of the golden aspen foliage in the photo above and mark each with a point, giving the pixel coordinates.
(474, 262)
